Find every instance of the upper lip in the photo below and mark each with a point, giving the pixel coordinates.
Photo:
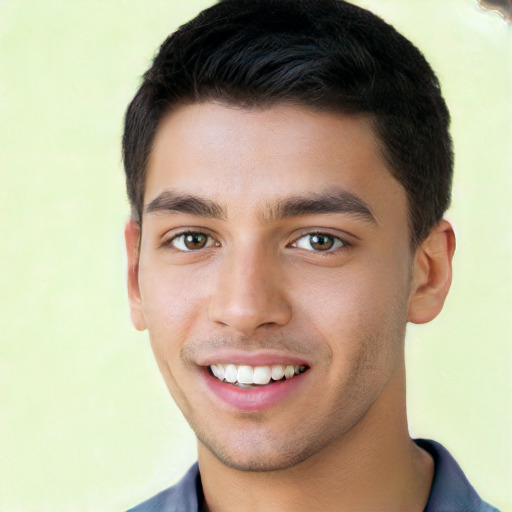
(251, 358)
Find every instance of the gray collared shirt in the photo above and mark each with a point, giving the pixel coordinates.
(450, 492)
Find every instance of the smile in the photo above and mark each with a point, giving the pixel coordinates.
(252, 376)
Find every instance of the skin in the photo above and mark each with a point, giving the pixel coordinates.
(259, 286)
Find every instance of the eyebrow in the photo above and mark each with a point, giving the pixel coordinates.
(173, 202)
(335, 201)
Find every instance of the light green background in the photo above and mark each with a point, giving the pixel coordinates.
(86, 423)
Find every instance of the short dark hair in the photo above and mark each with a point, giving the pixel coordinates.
(321, 54)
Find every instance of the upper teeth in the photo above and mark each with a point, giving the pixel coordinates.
(243, 374)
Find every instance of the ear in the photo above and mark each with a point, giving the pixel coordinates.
(432, 274)
(132, 240)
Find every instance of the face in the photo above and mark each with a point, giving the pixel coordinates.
(273, 241)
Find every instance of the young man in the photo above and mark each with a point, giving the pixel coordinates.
(288, 164)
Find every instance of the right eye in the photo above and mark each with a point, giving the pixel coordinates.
(191, 241)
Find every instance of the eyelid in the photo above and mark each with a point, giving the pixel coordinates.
(168, 240)
(172, 235)
(344, 243)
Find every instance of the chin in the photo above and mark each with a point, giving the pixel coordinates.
(256, 463)
(262, 453)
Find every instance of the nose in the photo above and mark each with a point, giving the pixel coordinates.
(249, 294)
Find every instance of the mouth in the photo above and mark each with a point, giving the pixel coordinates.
(269, 382)
(249, 377)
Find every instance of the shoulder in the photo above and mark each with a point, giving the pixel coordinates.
(451, 490)
(182, 497)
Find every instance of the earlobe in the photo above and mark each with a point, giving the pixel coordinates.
(432, 274)
(132, 240)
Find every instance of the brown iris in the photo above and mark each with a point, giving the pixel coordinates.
(195, 241)
(321, 242)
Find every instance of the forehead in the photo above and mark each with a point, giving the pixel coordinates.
(250, 158)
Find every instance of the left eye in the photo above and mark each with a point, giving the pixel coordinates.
(319, 242)
(191, 241)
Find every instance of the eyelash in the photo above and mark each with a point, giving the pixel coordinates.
(338, 243)
(170, 242)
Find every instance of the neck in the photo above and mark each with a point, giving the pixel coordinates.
(375, 466)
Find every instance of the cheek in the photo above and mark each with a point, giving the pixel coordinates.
(344, 297)
(170, 304)
(360, 310)
(170, 307)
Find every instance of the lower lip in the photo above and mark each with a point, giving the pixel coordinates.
(254, 399)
